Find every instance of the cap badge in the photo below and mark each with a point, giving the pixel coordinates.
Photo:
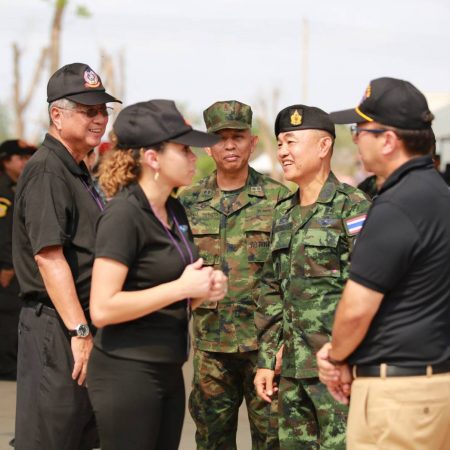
(296, 118)
(91, 79)
(367, 93)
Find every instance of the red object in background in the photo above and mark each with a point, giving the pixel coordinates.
(104, 147)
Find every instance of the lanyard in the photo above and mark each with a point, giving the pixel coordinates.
(175, 243)
(186, 262)
(94, 194)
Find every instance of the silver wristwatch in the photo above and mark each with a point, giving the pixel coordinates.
(82, 330)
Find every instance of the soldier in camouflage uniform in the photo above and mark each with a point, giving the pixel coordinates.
(313, 233)
(230, 213)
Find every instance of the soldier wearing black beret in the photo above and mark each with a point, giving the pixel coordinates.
(312, 237)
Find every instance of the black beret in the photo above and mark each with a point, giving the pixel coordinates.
(302, 117)
(16, 147)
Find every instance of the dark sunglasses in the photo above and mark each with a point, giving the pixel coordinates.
(92, 112)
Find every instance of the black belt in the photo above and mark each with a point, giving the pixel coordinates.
(40, 308)
(396, 371)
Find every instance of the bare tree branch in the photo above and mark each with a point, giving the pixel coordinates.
(36, 77)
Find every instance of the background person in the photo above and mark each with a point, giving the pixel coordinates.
(53, 240)
(313, 234)
(231, 216)
(146, 279)
(397, 300)
(14, 154)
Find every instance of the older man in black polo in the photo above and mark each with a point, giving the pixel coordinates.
(53, 241)
(392, 325)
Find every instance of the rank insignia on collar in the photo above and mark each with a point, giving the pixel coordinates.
(296, 118)
(255, 189)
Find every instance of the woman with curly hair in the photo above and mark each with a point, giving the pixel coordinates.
(146, 280)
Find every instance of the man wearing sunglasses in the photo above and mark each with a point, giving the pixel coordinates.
(391, 334)
(53, 239)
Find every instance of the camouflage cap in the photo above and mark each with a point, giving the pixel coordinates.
(228, 114)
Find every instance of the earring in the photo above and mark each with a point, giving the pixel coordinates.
(156, 176)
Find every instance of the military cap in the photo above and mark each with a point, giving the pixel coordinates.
(392, 102)
(15, 147)
(79, 83)
(228, 114)
(144, 124)
(302, 117)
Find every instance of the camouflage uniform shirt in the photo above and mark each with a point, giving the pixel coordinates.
(304, 275)
(233, 236)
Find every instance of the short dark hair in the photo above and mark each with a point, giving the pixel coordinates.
(417, 142)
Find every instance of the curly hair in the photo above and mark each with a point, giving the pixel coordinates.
(119, 169)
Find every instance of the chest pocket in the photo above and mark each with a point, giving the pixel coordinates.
(257, 235)
(322, 253)
(280, 248)
(205, 228)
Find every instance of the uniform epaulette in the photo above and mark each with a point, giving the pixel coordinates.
(286, 198)
(346, 188)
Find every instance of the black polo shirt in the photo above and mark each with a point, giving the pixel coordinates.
(403, 252)
(129, 232)
(54, 207)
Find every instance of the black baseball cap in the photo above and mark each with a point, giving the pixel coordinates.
(16, 147)
(392, 102)
(302, 117)
(79, 83)
(148, 123)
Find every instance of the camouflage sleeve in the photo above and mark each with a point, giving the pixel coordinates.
(268, 316)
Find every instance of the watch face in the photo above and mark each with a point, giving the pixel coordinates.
(82, 330)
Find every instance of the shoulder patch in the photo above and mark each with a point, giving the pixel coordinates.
(354, 224)
(4, 205)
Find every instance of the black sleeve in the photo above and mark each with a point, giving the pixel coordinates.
(117, 233)
(385, 248)
(6, 215)
(48, 211)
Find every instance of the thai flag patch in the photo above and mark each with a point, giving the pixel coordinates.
(355, 224)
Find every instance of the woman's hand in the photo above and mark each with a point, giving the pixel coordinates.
(197, 280)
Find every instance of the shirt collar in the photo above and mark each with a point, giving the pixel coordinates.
(253, 186)
(416, 163)
(58, 148)
(138, 193)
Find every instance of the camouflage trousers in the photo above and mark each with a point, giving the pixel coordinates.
(221, 382)
(309, 418)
